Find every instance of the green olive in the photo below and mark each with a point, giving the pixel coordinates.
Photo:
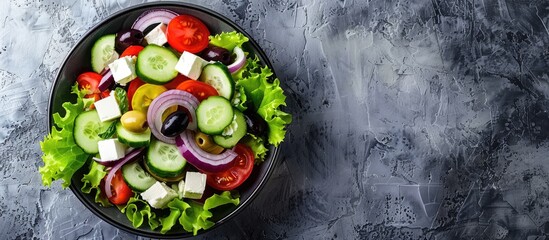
(205, 142)
(134, 121)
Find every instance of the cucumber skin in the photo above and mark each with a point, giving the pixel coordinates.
(124, 136)
(204, 75)
(145, 77)
(229, 142)
(78, 140)
(159, 172)
(198, 119)
(131, 184)
(95, 68)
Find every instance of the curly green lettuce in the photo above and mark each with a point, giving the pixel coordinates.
(228, 40)
(137, 211)
(92, 180)
(266, 97)
(61, 156)
(257, 145)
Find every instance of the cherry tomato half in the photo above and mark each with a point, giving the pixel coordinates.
(132, 87)
(198, 89)
(89, 80)
(187, 33)
(132, 50)
(237, 174)
(121, 192)
(175, 82)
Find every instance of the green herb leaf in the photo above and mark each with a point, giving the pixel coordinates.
(122, 99)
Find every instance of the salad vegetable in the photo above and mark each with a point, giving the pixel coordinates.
(168, 122)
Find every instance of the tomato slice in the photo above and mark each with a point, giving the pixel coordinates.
(132, 87)
(121, 192)
(132, 50)
(89, 80)
(198, 89)
(237, 174)
(176, 81)
(187, 33)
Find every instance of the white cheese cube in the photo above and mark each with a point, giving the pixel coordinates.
(111, 149)
(158, 195)
(190, 65)
(107, 108)
(195, 183)
(157, 35)
(114, 56)
(123, 70)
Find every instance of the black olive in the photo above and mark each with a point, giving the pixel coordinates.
(256, 124)
(126, 38)
(214, 53)
(175, 124)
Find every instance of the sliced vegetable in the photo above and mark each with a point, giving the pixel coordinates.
(137, 178)
(165, 101)
(176, 81)
(201, 159)
(198, 89)
(151, 17)
(214, 114)
(164, 160)
(144, 96)
(237, 174)
(133, 139)
(132, 50)
(130, 156)
(133, 86)
(87, 128)
(239, 61)
(120, 191)
(102, 52)
(187, 33)
(234, 132)
(106, 81)
(156, 64)
(217, 75)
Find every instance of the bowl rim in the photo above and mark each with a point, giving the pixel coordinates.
(274, 150)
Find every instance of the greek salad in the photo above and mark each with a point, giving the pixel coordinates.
(168, 122)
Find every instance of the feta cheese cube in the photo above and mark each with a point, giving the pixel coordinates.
(195, 183)
(107, 108)
(157, 35)
(123, 70)
(158, 195)
(111, 149)
(190, 65)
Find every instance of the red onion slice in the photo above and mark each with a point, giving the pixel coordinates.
(239, 62)
(106, 81)
(151, 17)
(166, 100)
(201, 159)
(130, 156)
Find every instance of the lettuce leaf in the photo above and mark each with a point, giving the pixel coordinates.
(193, 216)
(61, 156)
(137, 211)
(228, 40)
(257, 145)
(92, 180)
(266, 98)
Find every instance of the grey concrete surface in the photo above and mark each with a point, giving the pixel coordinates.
(412, 119)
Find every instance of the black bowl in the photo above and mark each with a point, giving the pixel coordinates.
(78, 61)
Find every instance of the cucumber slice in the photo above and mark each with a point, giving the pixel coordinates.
(218, 76)
(214, 114)
(137, 178)
(156, 64)
(133, 139)
(238, 132)
(102, 52)
(164, 160)
(87, 128)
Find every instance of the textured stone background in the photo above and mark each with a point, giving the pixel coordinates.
(412, 119)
